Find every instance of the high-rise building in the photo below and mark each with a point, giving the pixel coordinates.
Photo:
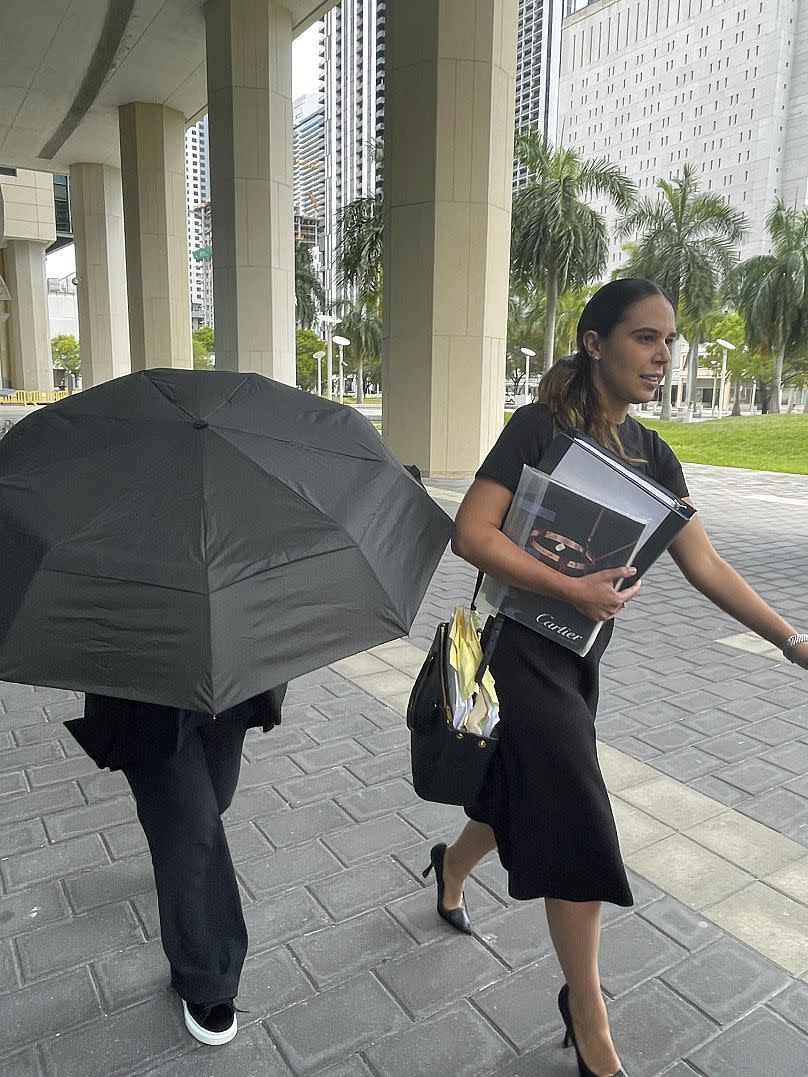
(353, 68)
(722, 85)
(197, 193)
(537, 67)
(308, 142)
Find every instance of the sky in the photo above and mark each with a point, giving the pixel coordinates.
(305, 75)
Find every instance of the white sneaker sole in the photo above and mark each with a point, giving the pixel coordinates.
(204, 1035)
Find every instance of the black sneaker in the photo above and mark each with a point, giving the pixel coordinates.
(213, 1025)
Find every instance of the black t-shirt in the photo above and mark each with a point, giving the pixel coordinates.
(528, 435)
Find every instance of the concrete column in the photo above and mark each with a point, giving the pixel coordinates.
(31, 366)
(97, 211)
(449, 94)
(249, 70)
(154, 213)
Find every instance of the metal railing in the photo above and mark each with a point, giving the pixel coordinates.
(32, 396)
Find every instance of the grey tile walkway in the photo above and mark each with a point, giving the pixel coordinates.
(350, 972)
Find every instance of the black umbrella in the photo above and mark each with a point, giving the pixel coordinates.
(192, 538)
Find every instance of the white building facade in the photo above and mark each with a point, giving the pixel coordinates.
(538, 61)
(353, 85)
(197, 193)
(722, 84)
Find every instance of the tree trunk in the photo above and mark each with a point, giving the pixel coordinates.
(360, 381)
(668, 383)
(736, 404)
(692, 376)
(777, 378)
(550, 320)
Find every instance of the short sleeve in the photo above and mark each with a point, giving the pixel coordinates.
(524, 440)
(668, 470)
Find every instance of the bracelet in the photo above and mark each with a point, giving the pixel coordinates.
(795, 641)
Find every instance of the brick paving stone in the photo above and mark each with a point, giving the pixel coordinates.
(17, 809)
(42, 1010)
(113, 882)
(23, 1064)
(330, 755)
(440, 973)
(793, 1005)
(792, 757)
(282, 917)
(289, 867)
(53, 861)
(753, 776)
(383, 768)
(270, 982)
(781, 809)
(89, 819)
(132, 975)
(252, 802)
(342, 951)
(12, 782)
(30, 909)
(726, 980)
(759, 1043)
(354, 725)
(459, 1042)
(296, 825)
(313, 787)
(519, 935)
(773, 731)
(120, 1044)
(718, 790)
(336, 1022)
(670, 737)
(654, 1029)
(433, 819)
(64, 769)
(632, 951)
(360, 888)
(523, 1006)
(251, 1054)
(270, 769)
(364, 841)
(378, 800)
(8, 968)
(61, 946)
(418, 914)
(731, 747)
(46, 752)
(681, 924)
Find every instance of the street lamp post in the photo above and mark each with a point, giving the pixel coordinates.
(329, 321)
(341, 342)
(725, 346)
(528, 354)
(319, 356)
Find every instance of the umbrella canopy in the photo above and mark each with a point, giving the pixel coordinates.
(192, 538)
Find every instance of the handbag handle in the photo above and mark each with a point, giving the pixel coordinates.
(490, 633)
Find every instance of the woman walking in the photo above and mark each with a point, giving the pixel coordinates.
(544, 805)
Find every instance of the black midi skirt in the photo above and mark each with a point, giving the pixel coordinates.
(544, 795)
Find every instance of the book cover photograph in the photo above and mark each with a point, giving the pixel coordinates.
(571, 534)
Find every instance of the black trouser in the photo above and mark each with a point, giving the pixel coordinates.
(179, 801)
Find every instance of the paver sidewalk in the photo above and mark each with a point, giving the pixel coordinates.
(350, 971)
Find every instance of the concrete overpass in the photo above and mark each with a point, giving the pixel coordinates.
(103, 90)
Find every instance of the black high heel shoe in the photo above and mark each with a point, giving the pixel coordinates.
(458, 918)
(569, 1036)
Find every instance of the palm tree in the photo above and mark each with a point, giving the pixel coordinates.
(559, 242)
(570, 308)
(526, 314)
(361, 323)
(687, 242)
(359, 246)
(772, 289)
(309, 293)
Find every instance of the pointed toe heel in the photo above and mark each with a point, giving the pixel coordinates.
(569, 1035)
(458, 918)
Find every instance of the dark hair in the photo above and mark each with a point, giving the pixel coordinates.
(567, 389)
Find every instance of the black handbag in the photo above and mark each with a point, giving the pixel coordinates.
(448, 765)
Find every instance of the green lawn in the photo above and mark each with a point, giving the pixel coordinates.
(760, 442)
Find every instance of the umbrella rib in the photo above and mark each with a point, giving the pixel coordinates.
(222, 431)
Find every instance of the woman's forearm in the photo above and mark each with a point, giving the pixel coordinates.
(728, 590)
(489, 550)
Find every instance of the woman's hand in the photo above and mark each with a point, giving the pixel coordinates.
(798, 655)
(595, 595)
